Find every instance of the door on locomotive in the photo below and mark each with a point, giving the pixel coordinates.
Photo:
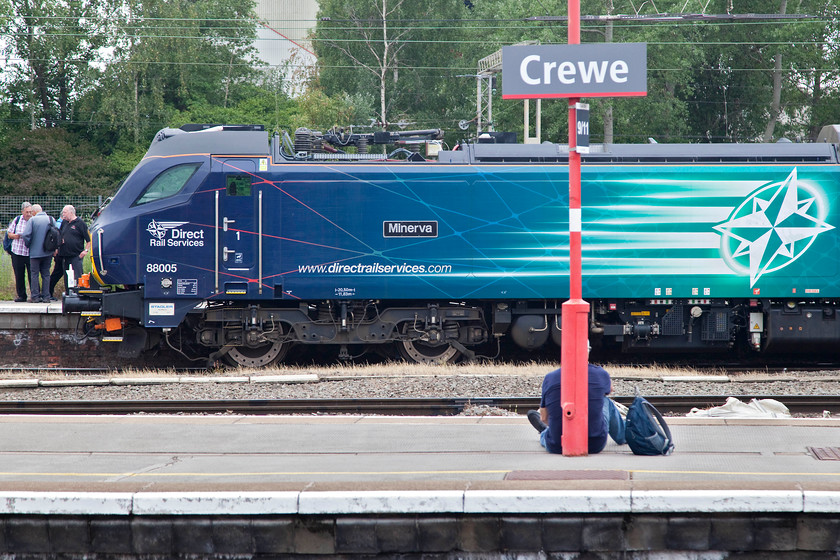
(238, 230)
(239, 271)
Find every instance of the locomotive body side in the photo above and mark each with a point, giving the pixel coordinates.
(496, 232)
(218, 247)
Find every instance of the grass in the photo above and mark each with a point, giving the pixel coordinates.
(535, 369)
(358, 371)
(7, 278)
(387, 370)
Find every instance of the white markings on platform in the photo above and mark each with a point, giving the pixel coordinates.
(215, 503)
(713, 501)
(65, 503)
(345, 502)
(547, 501)
(444, 501)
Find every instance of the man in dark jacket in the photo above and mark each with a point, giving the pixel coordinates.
(74, 246)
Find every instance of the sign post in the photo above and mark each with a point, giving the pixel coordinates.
(573, 71)
(574, 357)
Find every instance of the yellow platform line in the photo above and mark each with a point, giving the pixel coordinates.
(730, 473)
(380, 473)
(268, 473)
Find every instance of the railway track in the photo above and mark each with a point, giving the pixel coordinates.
(805, 405)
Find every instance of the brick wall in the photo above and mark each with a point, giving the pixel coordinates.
(430, 537)
(57, 348)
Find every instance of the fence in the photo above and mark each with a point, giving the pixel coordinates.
(85, 206)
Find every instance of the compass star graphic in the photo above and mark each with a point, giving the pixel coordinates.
(158, 229)
(773, 227)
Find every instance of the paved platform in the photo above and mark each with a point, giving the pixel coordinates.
(445, 488)
(343, 464)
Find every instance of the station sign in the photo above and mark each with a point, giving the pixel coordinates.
(588, 70)
(582, 128)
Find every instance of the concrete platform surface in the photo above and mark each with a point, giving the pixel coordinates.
(227, 464)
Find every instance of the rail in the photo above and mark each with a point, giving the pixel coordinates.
(804, 405)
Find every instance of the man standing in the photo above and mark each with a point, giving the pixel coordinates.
(73, 246)
(39, 259)
(20, 252)
(604, 417)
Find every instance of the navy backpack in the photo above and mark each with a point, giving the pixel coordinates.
(646, 430)
(7, 241)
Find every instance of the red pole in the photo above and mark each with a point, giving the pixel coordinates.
(574, 357)
(573, 32)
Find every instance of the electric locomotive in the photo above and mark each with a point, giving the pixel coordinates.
(225, 243)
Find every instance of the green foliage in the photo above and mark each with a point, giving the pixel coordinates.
(396, 51)
(109, 84)
(172, 57)
(256, 105)
(318, 111)
(57, 41)
(51, 161)
(123, 159)
(707, 80)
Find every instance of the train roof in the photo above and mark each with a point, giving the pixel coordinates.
(235, 140)
(782, 152)
(250, 140)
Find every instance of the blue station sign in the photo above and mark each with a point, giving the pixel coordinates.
(588, 70)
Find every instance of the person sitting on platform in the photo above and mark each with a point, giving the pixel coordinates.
(604, 416)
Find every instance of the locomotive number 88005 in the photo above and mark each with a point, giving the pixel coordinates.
(227, 244)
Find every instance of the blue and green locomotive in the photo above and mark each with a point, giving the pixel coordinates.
(227, 243)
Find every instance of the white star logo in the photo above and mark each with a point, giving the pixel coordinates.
(158, 229)
(773, 227)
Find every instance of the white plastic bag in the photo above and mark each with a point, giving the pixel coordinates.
(734, 408)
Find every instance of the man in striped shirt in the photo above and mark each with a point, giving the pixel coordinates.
(20, 252)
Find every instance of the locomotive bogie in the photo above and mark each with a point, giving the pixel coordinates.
(240, 251)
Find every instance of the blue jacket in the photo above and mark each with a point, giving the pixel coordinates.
(34, 233)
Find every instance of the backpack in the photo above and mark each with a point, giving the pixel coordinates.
(52, 238)
(7, 241)
(646, 430)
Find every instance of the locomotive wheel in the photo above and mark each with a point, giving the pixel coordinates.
(422, 353)
(260, 356)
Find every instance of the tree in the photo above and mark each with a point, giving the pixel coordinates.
(671, 56)
(169, 56)
(52, 161)
(371, 36)
(53, 46)
(811, 85)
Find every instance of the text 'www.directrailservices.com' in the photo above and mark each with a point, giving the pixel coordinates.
(375, 268)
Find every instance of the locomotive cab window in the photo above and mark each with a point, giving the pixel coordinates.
(239, 185)
(169, 183)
